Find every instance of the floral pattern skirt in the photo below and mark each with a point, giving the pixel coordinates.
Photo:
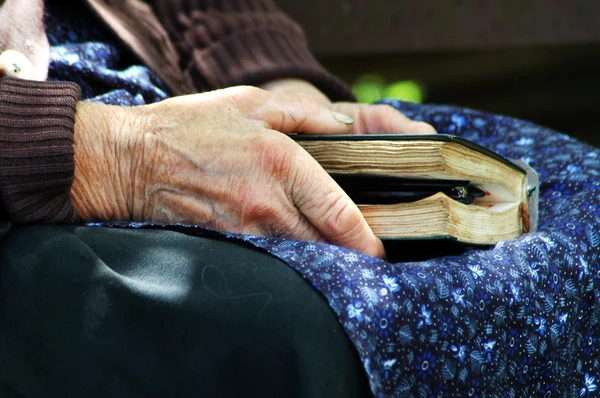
(515, 320)
(519, 319)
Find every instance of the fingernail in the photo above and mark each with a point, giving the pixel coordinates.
(340, 117)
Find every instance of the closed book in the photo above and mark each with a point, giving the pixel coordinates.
(430, 186)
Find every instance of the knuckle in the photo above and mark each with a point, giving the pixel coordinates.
(299, 120)
(305, 110)
(305, 102)
(383, 109)
(276, 157)
(244, 90)
(245, 95)
(386, 109)
(302, 98)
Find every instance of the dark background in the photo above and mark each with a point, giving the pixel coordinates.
(535, 59)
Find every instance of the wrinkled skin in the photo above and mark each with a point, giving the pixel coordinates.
(220, 160)
(369, 119)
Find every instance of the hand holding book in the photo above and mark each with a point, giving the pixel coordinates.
(215, 159)
(368, 119)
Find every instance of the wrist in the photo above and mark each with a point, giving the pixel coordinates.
(102, 163)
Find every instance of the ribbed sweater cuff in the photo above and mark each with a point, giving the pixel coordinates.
(36, 150)
(259, 55)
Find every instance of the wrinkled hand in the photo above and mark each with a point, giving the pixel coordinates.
(219, 160)
(368, 119)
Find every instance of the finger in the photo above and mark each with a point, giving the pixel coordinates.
(291, 85)
(292, 226)
(269, 218)
(300, 113)
(331, 211)
(381, 119)
(276, 218)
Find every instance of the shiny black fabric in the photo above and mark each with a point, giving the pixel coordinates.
(90, 312)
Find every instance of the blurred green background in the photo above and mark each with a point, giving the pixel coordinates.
(537, 60)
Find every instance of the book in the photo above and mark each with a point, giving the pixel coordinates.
(430, 186)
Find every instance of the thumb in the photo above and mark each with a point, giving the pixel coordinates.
(381, 119)
(300, 113)
(327, 207)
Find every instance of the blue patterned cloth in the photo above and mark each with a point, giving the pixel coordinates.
(517, 320)
(83, 50)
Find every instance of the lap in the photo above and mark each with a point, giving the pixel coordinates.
(101, 312)
(518, 317)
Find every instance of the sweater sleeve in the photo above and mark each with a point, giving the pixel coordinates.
(36, 150)
(232, 42)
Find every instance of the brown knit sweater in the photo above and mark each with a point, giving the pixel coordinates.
(193, 45)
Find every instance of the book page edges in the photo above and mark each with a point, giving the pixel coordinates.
(450, 159)
(416, 158)
(440, 215)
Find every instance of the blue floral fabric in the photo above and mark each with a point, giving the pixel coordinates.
(83, 50)
(516, 320)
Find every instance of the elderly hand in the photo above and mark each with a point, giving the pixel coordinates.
(368, 119)
(219, 160)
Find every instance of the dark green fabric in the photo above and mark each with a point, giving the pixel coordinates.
(92, 312)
